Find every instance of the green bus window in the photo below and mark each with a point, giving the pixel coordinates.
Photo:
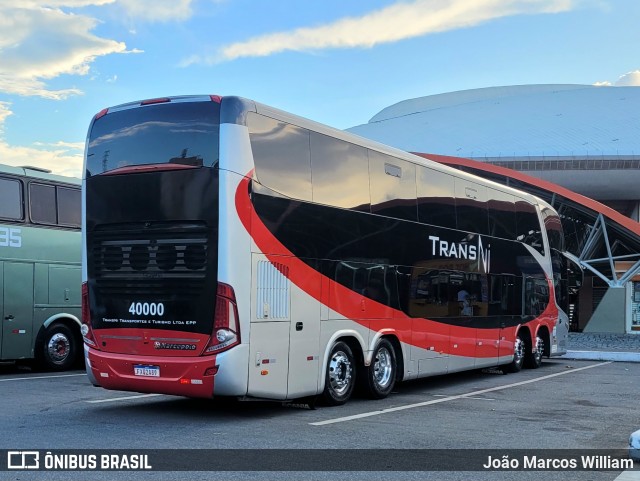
(68, 207)
(42, 202)
(10, 199)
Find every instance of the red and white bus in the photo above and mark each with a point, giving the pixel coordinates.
(232, 249)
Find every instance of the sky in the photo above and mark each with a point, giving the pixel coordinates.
(337, 62)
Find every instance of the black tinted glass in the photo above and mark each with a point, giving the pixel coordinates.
(184, 133)
(436, 198)
(554, 229)
(42, 200)
(393, 187)
(502, 215)
(528, 226)
(340, 173)
(10, 199)
(281, 156)
(69, 206)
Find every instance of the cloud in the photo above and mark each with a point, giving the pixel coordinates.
(396, 22)
(4, 113)
(157, 10)
(630, 79)
(54, 3)
(64, 158)
(59, 158)
(39, 43)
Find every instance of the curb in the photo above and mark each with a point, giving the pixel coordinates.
(603, 356)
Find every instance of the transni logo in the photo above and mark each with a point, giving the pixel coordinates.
(176, 347)
(23, 460)
(462, 250)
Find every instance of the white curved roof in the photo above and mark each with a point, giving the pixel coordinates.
(579, 133)
(515, 121)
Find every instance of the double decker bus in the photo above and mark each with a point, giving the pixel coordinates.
(233, 249)
(40, 267)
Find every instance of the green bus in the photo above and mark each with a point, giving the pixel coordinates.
(40, 267)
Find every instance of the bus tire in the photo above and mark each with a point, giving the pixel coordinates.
(380, 375)
(59, 349)
(519, 349)
(340, 375)
(533, 357)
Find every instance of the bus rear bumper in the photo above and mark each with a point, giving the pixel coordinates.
(179, 376)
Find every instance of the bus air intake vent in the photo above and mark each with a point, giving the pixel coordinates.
(150, 259)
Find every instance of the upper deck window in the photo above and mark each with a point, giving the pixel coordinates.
(281, 155)
(528, 225)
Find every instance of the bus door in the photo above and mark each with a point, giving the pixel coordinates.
(16, 286)
(284, 337)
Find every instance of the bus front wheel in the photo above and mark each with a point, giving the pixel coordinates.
(340, 376)
(59, 349)
(380, 375)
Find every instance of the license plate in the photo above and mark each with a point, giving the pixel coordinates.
(147, 371)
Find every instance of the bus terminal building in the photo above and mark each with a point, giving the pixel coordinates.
(575, 146)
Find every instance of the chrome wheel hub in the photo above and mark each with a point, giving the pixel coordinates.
(58, 348)
(518, 351)
(382, 368)
(340, 373)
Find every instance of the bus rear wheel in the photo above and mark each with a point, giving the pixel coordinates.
(518, 356)
(533, 358)
(59, 349)
(380, 375)
(340, 376)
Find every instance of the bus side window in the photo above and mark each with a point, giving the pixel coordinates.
(281, 156)
(42, 204)
(68, 206)
(340, 172)
(528, 225)
(392, 187)
(436, 198)
(471, 207)
(10, 199)
(502, 214)
(553, 226)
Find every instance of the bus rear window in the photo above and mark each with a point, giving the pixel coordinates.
(184, 133)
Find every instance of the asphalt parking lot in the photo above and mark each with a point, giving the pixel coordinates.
(584, 405)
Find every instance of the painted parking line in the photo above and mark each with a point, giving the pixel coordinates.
(451, 398)
(469, 397)
(41, 377)
(124, 398)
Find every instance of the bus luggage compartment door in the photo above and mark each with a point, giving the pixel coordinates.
(17, 315)
(269, 331)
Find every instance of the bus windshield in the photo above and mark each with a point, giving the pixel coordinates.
(182, 133)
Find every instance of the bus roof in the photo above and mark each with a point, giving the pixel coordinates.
(373, 145)
(234, 109)
(37, 173)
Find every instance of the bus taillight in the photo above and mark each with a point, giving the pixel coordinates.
(226, 327)
(86, 331)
